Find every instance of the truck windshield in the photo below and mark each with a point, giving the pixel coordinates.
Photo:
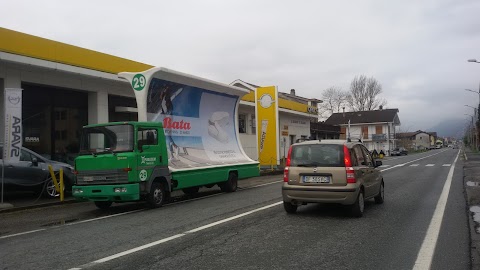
(106, 139)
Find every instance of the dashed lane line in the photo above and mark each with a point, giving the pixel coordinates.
(425, 255)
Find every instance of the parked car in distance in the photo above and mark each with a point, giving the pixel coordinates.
(31, 174)
(399, 152)
(331, 171)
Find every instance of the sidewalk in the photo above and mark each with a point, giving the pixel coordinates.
(471, 178)
(26, 200)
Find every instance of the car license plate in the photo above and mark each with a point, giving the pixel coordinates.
(316, 179)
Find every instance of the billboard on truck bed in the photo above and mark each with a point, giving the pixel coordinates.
(200, 124)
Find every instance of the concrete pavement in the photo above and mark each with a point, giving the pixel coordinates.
(471, 180)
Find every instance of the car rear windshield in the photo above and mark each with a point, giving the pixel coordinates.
(317, 155)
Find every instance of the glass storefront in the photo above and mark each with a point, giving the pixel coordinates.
(52, 120)
(115, 102)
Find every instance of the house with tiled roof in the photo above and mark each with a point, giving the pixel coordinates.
(375, 128)
(417, 140)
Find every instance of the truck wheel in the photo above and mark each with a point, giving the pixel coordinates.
(157, 195)
(103, 204)
(231, 184)
(191, 190)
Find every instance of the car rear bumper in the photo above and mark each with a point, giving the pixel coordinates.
(345, 195)
(129, 192)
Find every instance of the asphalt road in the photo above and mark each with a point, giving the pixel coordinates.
(250, 230)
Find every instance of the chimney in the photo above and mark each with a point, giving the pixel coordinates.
(380, 107)
(343, 112)
(292, 92)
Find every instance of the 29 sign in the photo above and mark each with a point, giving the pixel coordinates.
(139, 82)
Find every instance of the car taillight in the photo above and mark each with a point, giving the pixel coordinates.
(285, 174)
(287, 164)
(348, 166)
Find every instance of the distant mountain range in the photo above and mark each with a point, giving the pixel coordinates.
(449, 128)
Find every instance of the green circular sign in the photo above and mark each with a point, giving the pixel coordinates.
(139, 82)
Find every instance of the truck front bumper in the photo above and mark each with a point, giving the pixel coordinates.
(114, 193)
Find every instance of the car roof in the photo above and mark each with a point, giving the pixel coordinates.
(329, 141)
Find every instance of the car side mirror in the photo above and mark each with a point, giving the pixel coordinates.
(378, 163)
(35, 162)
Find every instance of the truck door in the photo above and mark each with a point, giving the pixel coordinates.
(149, 152)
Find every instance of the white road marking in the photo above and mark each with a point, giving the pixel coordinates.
(446, 165)
(261, 185)
(22, 233)
(425, 255)
(400, 165)
(429, 165)
(414, 165)
(164, 240)
(384, 165)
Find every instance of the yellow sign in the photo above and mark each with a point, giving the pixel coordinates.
(267, 123)
(284, 133)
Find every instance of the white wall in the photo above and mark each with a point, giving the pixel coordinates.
(295, 125)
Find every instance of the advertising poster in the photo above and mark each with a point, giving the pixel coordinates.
(200, 126)
(268, 130)
(13, 125)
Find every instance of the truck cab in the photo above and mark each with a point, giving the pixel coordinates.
(122, 161)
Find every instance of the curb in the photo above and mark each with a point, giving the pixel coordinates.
(35, 206)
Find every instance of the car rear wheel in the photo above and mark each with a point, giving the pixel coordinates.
(49, 190)
(359, 205)
(103, 204)
(381, 194)
(290, 208)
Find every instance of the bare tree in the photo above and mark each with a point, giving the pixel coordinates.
(364, 94)
(334, 98)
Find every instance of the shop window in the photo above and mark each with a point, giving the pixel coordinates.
(254, 125)
(61, 115)
(241, 123)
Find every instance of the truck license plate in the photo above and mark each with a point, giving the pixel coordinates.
(316, 179)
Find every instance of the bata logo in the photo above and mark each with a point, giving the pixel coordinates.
(16, 132)
(168, 123)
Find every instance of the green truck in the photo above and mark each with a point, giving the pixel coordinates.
(186, 138)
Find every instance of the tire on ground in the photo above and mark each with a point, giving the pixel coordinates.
(157, 195)
(231, 184)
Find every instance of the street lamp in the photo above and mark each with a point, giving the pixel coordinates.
(475, 126)
(472, 141)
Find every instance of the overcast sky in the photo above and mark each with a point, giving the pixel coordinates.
(417, 49)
